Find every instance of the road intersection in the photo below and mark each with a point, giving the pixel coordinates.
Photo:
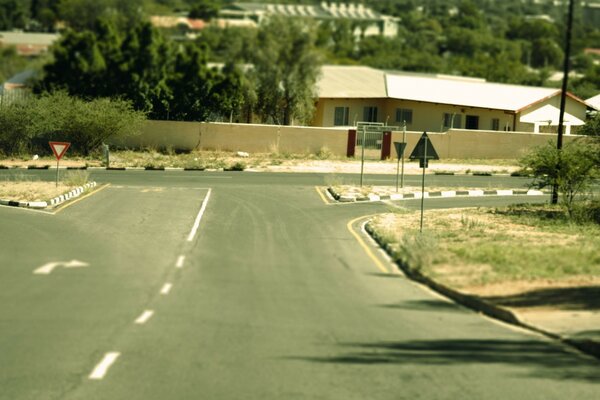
(245, 286)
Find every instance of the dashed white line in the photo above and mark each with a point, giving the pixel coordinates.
(102, 368)
(199, 217)
(180, 261)
(146, 315)
(166, 288)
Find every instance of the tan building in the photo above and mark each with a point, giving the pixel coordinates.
(437, 103)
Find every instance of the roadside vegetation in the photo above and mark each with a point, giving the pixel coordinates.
(552, 244)
(20, 187)
(470, 248)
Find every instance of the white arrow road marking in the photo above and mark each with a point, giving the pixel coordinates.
(102, 368)
(49, 267)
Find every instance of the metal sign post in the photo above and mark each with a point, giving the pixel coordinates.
(400, 147)
(59, 149)
(404, 141)
(424, 151)
(362, 155)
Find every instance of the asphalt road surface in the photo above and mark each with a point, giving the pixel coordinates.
(177, 285)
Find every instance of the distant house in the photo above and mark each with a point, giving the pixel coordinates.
(367, 21)
(594, 102)
(185, 26)
(28, 44)
(436, 103)
(17, 87)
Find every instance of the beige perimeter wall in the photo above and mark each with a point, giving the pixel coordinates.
(294, 139)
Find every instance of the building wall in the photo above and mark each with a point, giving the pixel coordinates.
(573, 107)
(325, 111)
(429, 116)
(454, 144)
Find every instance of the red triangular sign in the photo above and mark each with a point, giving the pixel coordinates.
(59, 148)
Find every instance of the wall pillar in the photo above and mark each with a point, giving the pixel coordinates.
(351, 148)
(386, 145)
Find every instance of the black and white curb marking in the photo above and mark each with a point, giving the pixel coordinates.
(443, 194)
(53, 202)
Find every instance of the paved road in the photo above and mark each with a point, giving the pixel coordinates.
(272, 297)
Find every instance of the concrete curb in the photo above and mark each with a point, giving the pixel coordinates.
(344, 198)
(588, 346)
(52, 202)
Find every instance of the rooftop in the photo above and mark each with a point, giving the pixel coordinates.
(351, 82)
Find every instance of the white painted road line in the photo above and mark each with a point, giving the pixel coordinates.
(199, 217)
(102, 367)
(180, 261)
(146, 315)
(166, 288)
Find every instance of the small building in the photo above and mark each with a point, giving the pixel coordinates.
(437, 103)
(28, 44)
(594, 102)
(368, 22)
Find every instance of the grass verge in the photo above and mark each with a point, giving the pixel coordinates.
(470, 248)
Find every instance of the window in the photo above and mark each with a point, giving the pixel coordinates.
(495, 124)
(472, 122)
(452, 120)
(340, 117)
(404, 115)
(370, 114)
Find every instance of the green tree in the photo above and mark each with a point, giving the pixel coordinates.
(205, 9)
(78, 67)
(144, 69)
(286, 67)
(191, 83)
(13, 14)
(571, 169)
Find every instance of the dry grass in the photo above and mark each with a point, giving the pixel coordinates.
(31, 191)
(481, 248)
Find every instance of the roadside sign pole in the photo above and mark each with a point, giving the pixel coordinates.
(362, 156)
(404, 140)
(424, 165)
(57, 161)
(397, 174)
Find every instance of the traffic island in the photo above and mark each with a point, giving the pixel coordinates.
(478, 259)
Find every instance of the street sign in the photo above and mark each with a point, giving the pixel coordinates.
(424, 151)
(59, 148)
(400, 147)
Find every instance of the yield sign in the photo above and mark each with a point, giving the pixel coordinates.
(59, 148)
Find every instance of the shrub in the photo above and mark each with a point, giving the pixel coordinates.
(29, 124)
(571, 169)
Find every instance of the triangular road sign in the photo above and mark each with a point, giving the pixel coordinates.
(59, 148)
(400, 146)
(419, 152)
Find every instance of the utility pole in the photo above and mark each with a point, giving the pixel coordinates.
(563, 94)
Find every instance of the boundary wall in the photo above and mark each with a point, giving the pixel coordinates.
(253, 138)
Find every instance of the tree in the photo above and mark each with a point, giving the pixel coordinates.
(191, 84)
(13, 15)
(205, 9)
(286, 67)
(571, 169)
(591, 127)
